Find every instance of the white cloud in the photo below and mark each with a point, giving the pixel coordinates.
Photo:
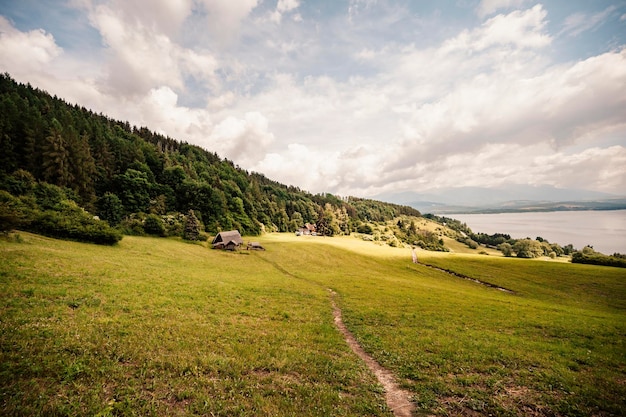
(597, 168)
(141, 57)
(577, 23)
(284, 7)
(487, 7)
(242, 140)
(485, 105)
(25, 52)
(485, 96)
(523, 29)
(225, 16)
(287, 5)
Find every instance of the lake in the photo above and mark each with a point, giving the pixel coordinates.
(604, 230)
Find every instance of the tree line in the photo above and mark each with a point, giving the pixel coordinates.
(527, 248)
(55, 156)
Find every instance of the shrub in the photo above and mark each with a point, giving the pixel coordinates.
(153, 225)
(20, 183)
(596, 258)
(174, 224)
(133, 225)
(506, 249)
(527, 248)
(13, 212)
(50, 196)
(471, 244)
(74, 223)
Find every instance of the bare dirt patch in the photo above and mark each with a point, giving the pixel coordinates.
(398, 400)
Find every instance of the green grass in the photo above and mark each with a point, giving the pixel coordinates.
(162, 327)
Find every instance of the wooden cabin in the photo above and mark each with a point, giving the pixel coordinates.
(230, 240)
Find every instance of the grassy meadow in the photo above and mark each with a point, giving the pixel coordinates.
(156, 326)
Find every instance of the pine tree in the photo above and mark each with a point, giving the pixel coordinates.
(82, 167)
(56, 167)
(192, 227)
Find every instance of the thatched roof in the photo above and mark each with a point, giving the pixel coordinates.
(227, 237)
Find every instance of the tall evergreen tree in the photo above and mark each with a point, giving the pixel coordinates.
(192, 227)
(56, 166)
(82, 167)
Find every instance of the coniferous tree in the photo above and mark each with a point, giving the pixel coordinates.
(82, 167)
(192, 227)
(56, 157)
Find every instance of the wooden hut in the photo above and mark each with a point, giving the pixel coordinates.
(230, 240)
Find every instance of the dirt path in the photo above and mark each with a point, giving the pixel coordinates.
(398, 400)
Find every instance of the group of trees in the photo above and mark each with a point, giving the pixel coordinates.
(408, 232)
(522, 248)
(589, 256)
(142, 182)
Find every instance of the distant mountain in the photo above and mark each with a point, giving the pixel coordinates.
(514, 197)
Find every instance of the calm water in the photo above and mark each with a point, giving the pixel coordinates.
(604, 230)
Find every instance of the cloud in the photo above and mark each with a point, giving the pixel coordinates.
(603, 166)
(141, 56)
(284, 7)
(577, 23)
(25, 52)
(242, 140)
(328, 107)
(465, 110)
(224, 17)
(160, 16)
(488, 7)
(521, 29)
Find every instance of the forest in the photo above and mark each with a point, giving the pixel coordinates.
(68, 172)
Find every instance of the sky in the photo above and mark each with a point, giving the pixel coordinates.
(350, 97)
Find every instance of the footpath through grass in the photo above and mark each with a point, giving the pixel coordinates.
(556, 347)
(160, 327)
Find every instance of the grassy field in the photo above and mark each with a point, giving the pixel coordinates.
(161, 327)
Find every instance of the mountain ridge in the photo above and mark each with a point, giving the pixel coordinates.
(506, 198)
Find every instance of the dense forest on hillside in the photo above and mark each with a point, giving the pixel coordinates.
(61, 158)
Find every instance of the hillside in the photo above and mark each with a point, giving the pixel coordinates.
(51, 151)
(186, 331)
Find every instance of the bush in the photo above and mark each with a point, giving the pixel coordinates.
(506, 249)
(365, 229)
(133, 225)
(595, 258)
(526, 248)
(20, 183)
(73, 223)
(153, 225)
(50, 196)
(14, 213)
(174, 224)
(471, 244)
